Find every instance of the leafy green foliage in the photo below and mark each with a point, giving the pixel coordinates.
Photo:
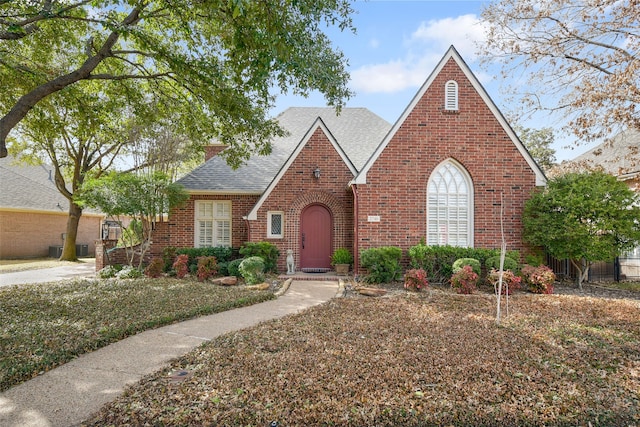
(233, 267)
(539, 144)
(494, 263)
(222, 254)
(382, 264)
(583, 217)
(341, 256)
(438, 260)
(465, 280)
(265, 250)
(252, 269)
(46, 325)
(461, 262)
(211, 67)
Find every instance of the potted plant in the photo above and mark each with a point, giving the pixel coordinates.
(341, 260)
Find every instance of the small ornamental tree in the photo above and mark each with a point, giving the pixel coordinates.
(584, 217)
(142, 198)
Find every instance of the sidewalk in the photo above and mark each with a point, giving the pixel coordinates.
(52, 274)
(68, 395)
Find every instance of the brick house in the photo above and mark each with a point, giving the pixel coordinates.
(34, 215)
(439, 174)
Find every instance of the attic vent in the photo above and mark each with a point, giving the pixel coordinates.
(451, 96)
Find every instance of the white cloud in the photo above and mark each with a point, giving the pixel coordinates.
(422, 50)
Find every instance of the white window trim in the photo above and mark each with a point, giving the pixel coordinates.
(451, 96)
(470, 198)
(214, 219)
(270, 234)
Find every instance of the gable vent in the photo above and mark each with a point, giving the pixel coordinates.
(451, 96)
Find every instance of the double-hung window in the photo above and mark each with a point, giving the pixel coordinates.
(213, 223)
(450, 206)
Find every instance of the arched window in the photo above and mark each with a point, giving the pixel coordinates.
(451, 96)
(450, 206)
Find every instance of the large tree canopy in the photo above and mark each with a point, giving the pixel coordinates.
(213, 65)
(584, 217)
(582, 58)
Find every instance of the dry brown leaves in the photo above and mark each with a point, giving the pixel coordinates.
(416, 359)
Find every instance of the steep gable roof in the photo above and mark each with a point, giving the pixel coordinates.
(356, 130)
(452, 53)
(319, 124)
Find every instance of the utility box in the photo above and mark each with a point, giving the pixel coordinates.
(82, 250)
(55, 251)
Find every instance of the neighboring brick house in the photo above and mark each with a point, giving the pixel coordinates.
(33, 214)
(439, 174)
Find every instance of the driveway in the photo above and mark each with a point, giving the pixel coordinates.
(53, 274)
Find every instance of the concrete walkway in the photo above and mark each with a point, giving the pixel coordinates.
(52, 274)
(68, 395)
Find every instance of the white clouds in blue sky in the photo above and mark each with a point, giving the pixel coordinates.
(397, 46)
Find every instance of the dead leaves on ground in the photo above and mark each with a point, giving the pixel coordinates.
(409, 360)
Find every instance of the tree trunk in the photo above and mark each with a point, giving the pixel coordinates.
(69, 248)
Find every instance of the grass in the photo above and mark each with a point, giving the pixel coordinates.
(45, 325)
(430, 358)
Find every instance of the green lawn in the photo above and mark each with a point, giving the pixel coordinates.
(45, 325)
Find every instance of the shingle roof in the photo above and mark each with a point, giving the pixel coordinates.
(357, 130)
(618, 157)
(29, 187)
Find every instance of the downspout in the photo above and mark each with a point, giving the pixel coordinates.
(356, 240)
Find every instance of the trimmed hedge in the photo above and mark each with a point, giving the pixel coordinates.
(265, 250)
(382, 264)
(438, 260)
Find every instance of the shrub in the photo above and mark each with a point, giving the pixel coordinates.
(232, 267)
(155, 268)
(207, 267)
(341, 256)
(539, 280)
(168, 256)
(181, 266)
(109, 271)
(129, 272)
(438, 260)
(493, 263)
(382, 264)
(416, 279)
(265, 250)
(510, 281)
(461, 262)
(223, 254)
(252, 269)
(465, 280)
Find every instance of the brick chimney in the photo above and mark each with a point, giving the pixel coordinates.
(212, 150)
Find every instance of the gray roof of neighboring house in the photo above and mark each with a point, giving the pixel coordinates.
(618, 157)
(357, 130)
(29, 187)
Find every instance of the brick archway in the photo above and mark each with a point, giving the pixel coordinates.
(341, 222)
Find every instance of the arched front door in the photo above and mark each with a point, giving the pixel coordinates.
(315, 238)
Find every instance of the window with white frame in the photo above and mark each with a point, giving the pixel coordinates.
(451, 96)
(275, 225)
(212, 223)
(450, 206)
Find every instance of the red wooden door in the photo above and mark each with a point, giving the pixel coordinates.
(315, 238)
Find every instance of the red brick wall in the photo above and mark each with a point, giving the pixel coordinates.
(298, 189)
(397, 183)
(179, 230)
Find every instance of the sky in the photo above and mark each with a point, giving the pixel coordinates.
(397, 46)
